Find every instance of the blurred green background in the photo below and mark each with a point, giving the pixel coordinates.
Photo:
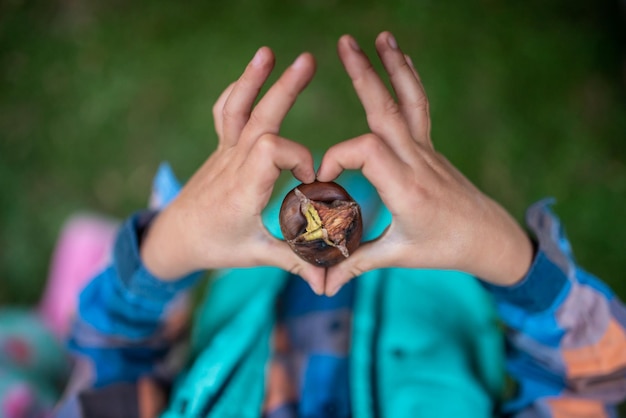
(528, 99)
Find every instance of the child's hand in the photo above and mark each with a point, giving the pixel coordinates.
(440, 220)
(215, 222)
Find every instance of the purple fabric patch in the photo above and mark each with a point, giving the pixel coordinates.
(585, 314)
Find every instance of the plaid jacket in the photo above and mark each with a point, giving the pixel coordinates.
(564, 329)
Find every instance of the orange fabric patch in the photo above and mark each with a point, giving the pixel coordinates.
(279, 389)
(604, 357)
(152, 399)
(576, 408)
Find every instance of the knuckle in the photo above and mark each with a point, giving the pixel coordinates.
(389, 112)
(421, 103)
(294, 268)
(390, 107)
(356, 271)
(227, 113)
(267, 144)
(372, 143)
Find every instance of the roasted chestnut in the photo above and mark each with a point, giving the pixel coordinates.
(321, 223)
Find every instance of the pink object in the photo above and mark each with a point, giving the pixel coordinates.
(18, 402)
(81, 251)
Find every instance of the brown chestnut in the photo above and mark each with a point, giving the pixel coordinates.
(321, 223)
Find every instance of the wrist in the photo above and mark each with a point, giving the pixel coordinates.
(516, 260)
(162, 251)
(507, 254)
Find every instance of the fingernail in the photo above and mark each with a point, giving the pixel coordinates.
(299, 62)
(258, 58)
(354, 45)
(392, 42)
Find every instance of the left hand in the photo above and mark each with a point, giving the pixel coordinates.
(215, 221)
(440, 219)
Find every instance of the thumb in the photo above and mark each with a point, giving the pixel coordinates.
(279, 254)
(369, 256)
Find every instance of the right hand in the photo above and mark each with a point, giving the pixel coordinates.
(215, 222)
(440, 220)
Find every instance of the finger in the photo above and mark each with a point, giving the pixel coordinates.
(236, 110)
(410, 92)
(269, 113)
(368, 153)
(369, 256)
(277, 253)
(419, 80)
(271, 154)
(218, 111)
(383, 114)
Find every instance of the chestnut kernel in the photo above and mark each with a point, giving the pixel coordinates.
(321, 223)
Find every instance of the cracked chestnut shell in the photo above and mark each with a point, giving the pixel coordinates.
(321, 223)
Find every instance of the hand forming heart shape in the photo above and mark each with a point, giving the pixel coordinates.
(439, 219)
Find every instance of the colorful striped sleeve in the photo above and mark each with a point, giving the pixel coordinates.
(124, 323)
(127, 322)
(565, 332)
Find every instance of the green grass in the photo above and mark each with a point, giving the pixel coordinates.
(528, 100)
